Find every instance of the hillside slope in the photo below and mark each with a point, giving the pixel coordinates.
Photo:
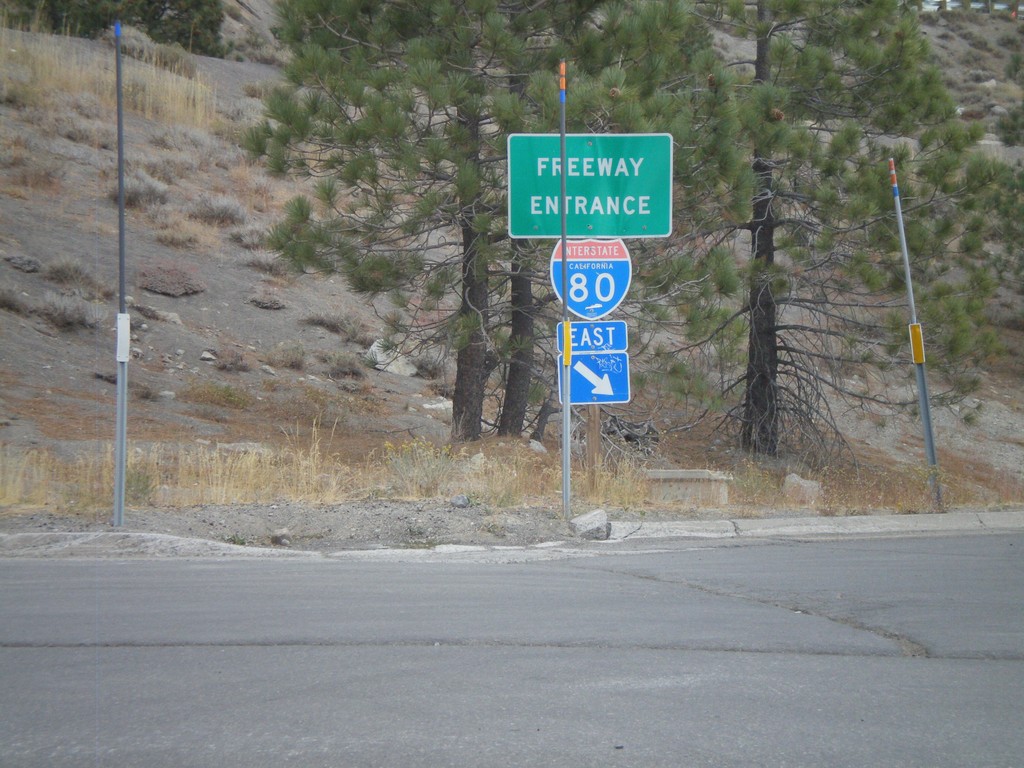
(251, 353)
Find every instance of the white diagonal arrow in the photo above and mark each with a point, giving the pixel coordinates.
(602, 384)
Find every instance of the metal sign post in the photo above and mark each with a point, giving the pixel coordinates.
(917, 351)
(123, 319)
(567, 340)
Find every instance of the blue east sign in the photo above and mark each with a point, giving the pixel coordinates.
(599, 336)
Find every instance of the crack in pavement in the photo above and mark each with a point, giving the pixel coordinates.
(908, 646)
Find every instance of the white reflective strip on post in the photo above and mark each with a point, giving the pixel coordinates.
(124, 337)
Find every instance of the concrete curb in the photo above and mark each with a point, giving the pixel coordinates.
(948, 522)
(154, 545)
(103, 544)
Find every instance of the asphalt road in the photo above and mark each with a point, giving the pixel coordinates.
(903, 651)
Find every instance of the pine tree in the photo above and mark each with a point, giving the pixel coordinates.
(1003, 228)
(831, 90)
(193, 24)
(401, 111)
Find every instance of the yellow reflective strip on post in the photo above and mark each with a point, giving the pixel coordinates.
(917, 343)
(566, 344)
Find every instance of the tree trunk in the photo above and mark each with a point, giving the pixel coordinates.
(547, 410)
(760, 405)
(521, 339)
(471, 366)
(520, 367)
(760, 432)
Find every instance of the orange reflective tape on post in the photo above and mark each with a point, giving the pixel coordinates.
(566, 344)
(917, 343)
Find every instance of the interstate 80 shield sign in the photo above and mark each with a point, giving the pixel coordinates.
(598, 273)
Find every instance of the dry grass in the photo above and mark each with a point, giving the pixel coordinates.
(892, 488)
(141, 190)
(172, 477)
(45, 176)
(348, 326)
(11, 301)
(418, 469)
(35, 69)
(27, 171)
(217, 210)
(506, 479)
(899, 489)
(287, 354)
(232, 361)
(269, 264)
(138, 45)
(251, 236)
(966, 481)
(69, 313)
(217, 395)
(175, 231)
(306, 470)
(303, 470)
(300, 471)
(619, 484)
(25, 476)
(344, 365)
(254, 188)
(76, 280)
(755, 487)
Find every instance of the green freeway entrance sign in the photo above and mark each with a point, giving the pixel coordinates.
(616, 185)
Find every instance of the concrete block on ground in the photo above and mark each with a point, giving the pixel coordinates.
(691, 486)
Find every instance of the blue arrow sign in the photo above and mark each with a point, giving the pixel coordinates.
(600, 336)
(599, 274)
(597, 377)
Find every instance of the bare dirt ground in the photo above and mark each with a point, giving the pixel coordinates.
(322, 528)
(251, 321)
